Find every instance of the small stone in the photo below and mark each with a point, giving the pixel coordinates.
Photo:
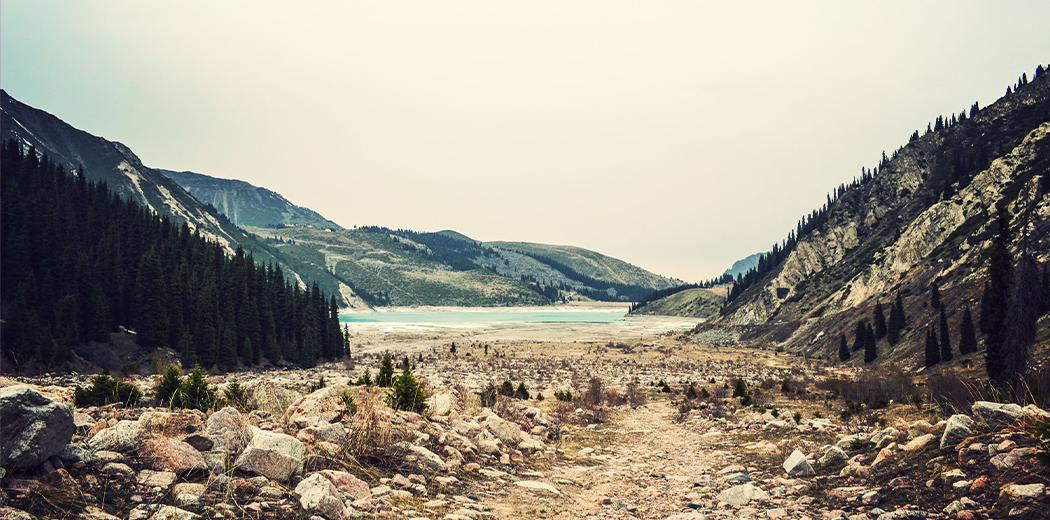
(1016, 491)
(537, 486)
(117, 468)
(955, 430)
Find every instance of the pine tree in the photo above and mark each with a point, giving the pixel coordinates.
(967, 334)
(945, 340)
(386, 371)
(935, 296)
(880, 321)
(933, 351)
(844, 351)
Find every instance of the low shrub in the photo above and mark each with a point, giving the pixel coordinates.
(406, 393)
(348, 401)
(522, 392)
(169, 384)
(106, 390)
(313, 387)
(565, 396)
(236, 397)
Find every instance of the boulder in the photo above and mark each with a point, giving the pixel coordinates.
(273, 455)
(170, 424)
(834, 457)
(955, 430)
(797, 466)
(173, 513)
(347, 483)
(997, 415)
(172, 455)
(319, 408)
(1017, 491)
(426, 457)
(273, 399)
(319, 496)
(742, 495)
(919, 442)
(32, 427)
(507, 432)
(121, 437)
(445, 401)
(228, 430)
(334, 433)
(157, 479)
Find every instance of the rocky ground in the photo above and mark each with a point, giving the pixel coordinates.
(637, 452)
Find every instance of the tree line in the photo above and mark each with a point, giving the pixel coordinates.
(79, 262)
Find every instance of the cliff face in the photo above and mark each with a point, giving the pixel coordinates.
(926, 216)
(248, 205)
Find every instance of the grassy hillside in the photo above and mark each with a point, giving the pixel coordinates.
(694, 303)
(589, 264)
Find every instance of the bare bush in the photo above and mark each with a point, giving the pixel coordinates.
(372, 439)
(635, 396)
(613, 397)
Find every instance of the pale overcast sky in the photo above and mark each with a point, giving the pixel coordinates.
(678, 136)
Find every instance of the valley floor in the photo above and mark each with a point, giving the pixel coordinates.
(667, 457)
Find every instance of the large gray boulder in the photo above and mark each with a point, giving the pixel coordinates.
(320, 496)
(955, 430)
(273, 455)
(228, 430)
(319, 408)
(32, 427)
(1003, 415)
(122, 438)
(507, 432)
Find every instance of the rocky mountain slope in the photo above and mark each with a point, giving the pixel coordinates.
(925, 216)
(248, 205)
(116, 165)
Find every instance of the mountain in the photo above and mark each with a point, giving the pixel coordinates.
(576, 268)
(400, 267)
(101, 160)
(926, 216)
(248, 205)
(743, 265)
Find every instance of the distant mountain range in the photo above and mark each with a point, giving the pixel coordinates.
(363, 267)
(743, 265)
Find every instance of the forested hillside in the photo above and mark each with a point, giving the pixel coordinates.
(949, 229)
(80, 262)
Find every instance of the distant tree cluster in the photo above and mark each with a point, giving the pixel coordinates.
(80, 262)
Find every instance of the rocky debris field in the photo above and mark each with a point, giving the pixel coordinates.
(340, 453)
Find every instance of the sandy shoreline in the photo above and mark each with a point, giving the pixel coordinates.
(571, 306)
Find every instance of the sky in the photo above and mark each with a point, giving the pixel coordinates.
(679, 136)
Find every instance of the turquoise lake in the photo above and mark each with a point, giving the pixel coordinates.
(522, 316)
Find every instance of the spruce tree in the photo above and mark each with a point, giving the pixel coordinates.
(935, 296)
(386, 371)
(880, 321)
(870, 349)
(858, 336)
(844, 349)
(406, 393)
(945, 340)
(151, 306)
(996, 299)
(967, 334)
(933, 351)
(896, 321)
